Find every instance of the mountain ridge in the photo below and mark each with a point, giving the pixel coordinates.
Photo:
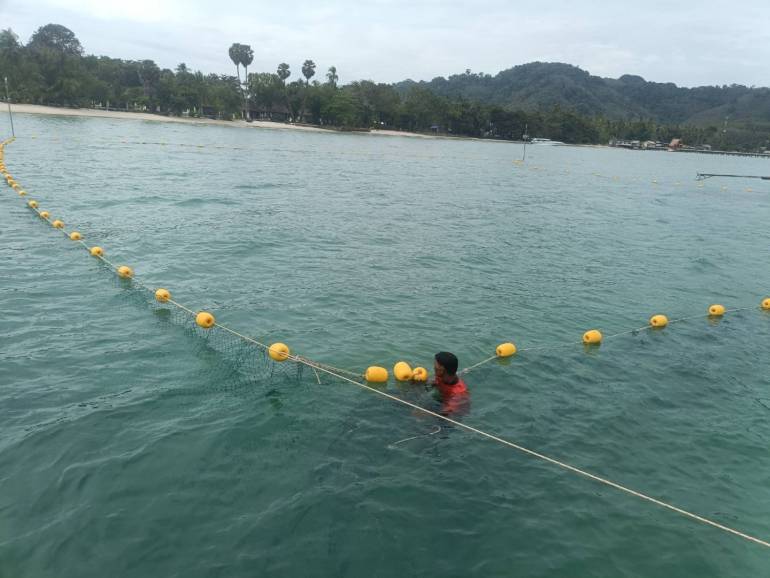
(545, 85)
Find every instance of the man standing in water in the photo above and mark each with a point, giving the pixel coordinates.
(452, 391)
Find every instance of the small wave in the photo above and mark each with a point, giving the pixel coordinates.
(199, 201)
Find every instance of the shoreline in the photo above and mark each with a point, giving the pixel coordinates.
(259, 124)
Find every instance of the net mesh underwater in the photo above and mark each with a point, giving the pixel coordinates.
(241, 362)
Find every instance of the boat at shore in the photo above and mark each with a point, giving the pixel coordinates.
(545, 141)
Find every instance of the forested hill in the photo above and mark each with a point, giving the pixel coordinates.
(544, 85)
(555, 101)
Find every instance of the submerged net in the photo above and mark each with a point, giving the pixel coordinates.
(241, 361)
(235, 360)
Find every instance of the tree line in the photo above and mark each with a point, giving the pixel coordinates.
(52, 69)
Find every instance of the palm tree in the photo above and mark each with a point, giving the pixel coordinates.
(236, 53)
(246, 58)
(308, 70)
(235, 56)
(332, 77)
(283, 74)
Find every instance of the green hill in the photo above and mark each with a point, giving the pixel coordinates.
(545, 85)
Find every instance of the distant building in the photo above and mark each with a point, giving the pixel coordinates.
(675, 144)
(625, 144)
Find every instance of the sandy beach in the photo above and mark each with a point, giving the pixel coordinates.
(90, 112)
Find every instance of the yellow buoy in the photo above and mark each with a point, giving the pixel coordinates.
(659, 321)
(717, 310)
(162, 295)
(402, 371)
(22, 193)
(279, 352)
(44, 214)
(420, 374)
(205, 319)
(505, 350)
(57, 224)
(75, 236)
(592, 337)
(376, 374)
(16, 186)
(125, 272)
(32, 204)
(766, 304)
(97, 251)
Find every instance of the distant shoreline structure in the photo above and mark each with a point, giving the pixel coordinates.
(677, 145)
(276, 125)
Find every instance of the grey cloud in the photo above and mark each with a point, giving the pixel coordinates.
(707, 43)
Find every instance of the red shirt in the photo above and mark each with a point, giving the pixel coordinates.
(448, 389)
(454, 397)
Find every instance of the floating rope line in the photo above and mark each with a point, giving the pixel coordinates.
(358, 380)
(704, 176)
(648, 327)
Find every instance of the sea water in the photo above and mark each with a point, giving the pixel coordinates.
(130, 448)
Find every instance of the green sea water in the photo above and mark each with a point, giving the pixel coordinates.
(129, 446)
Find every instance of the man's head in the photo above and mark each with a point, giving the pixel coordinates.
(445, 364)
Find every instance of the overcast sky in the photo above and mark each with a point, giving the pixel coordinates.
(689, 43)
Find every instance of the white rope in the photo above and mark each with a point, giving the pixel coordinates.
(559, 463)
(331, 371)
(430, 433)
(571, 343)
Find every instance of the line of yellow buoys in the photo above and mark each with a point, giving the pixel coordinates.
(402, 371)
(280, 352)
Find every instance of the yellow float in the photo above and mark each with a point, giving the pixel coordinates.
(57, 224)
(97, 251)
(125, 272)
(402, 371)
(659, 321)
(205, 319)
(376, 374)
(592, 337)
(162, 295)
(420, 374)
(44, 214)
(75, 236)
(766, 304)
(32, 204)
(716, 310)
(505, 350)
(279, 352)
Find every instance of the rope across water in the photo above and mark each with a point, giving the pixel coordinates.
(357, 380)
